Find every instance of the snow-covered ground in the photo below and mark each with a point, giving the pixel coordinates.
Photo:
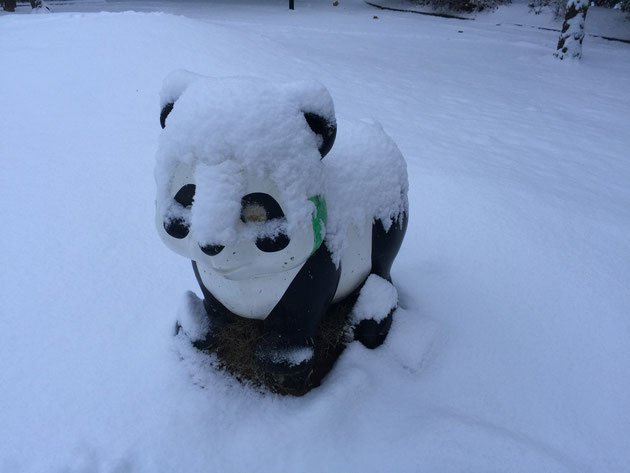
(511, 351)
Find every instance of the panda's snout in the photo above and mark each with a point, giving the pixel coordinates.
(232, 259)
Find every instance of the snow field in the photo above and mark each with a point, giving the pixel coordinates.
(510, 351)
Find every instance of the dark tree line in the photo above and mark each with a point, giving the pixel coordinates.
(558, 7)
(9, 5)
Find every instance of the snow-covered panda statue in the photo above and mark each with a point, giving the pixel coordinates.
(274, 230)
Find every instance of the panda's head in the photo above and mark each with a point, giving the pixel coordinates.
(239, 177)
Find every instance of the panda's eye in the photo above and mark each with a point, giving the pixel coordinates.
(259, 208)
(178, 227)
(270, 245)
(185, 195)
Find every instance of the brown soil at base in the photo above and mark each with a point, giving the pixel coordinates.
(237, 343)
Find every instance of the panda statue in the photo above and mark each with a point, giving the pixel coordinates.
(275, 231)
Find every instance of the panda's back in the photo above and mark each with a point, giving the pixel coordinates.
(366, 179)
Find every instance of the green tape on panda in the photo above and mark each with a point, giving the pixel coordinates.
(320, 220)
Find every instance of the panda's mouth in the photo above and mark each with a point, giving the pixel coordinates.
(247, 261)
(240, 273)
(252, 271)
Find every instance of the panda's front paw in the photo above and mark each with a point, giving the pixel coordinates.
(372, 313)
(195, 324)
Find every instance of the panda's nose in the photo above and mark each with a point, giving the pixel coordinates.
(212, 250)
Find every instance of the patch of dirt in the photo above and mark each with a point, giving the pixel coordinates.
(237, 342)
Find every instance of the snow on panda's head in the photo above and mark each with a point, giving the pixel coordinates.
(226, 144)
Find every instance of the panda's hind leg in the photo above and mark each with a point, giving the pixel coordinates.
(385, 245)
(378, 298)
(371, 316)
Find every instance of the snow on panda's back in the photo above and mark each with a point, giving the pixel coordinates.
(366, 180)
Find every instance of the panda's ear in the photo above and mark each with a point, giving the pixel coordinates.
(323, 127)
(174, 85)
(165, 111)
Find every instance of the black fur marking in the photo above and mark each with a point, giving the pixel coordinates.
(185, 195)
(271, 206)
(273, 244)
(385, 245)
(371, 333)
(272, 211)
(293, 322)
(177, 228)
(298, 313)
(212, 250)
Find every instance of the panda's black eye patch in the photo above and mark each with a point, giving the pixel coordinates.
(270, 245)
(259, 208)
(176, 228)
(185, 195)
(179, 227)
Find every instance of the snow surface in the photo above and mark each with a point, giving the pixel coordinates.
(510, 350)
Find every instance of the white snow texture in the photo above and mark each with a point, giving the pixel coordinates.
(377, 299)
(366, 178)
(509, 351)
